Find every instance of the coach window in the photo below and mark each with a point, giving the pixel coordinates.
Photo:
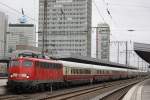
(74, 71)
(66, 71)
(82, 71)
(27, 63)
(105, 72)
(71, 71)
(79, 71)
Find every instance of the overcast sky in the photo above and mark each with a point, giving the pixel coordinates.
(125, 15)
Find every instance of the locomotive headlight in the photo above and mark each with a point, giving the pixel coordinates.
(11, 75)
(27, 76)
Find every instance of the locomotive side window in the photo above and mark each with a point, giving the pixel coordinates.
(27, 63)
(48, 65)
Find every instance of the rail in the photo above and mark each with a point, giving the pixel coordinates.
(72, 92)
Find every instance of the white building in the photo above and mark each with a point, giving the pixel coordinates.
(20, 34)
(3, 27)
(68, 27)
(103, 41)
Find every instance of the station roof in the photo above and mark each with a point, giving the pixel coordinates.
(4, 60)
(88, 60)
(143, 50)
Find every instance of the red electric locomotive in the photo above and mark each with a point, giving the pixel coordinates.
(33, 73)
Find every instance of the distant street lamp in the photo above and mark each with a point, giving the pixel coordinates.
(131, 30)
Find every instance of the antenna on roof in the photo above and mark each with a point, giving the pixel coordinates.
(23, 18)
(22, 12)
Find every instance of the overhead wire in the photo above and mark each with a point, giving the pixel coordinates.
(129, 5)
(110, 15)
(98, 11)
(103, 18)
(102, 15)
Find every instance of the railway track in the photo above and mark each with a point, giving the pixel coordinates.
(68, 93)
(73, 95)
(118, 93)
(13, 97)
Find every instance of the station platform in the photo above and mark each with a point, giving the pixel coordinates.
(3, 89)
(3, 77)
(3, 82)
(141, 91)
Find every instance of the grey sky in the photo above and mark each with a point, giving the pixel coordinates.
(126, 14)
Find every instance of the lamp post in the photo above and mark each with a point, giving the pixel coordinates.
(44, 33)
(118, 50)
(5, 42)
(131, 30)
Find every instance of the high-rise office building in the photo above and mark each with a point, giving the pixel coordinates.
(20, 34)
(67, 27)
(3, 28)
(103, 41)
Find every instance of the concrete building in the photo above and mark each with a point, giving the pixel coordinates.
(3, 27)
(102, 42)
(20, 34)
(68, 27)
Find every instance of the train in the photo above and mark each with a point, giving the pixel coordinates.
(27, 73)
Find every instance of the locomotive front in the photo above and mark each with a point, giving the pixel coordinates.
(20, 73)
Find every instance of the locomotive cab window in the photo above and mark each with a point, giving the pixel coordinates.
(27, 63)
(14, 63)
